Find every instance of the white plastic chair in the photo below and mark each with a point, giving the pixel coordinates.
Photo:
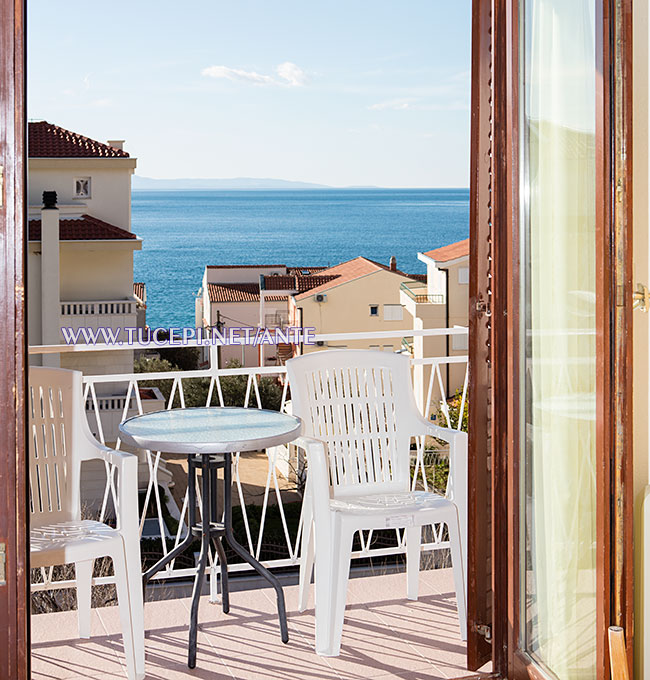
(59, 441)
(359, 414)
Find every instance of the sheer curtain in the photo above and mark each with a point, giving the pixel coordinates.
(559, 503)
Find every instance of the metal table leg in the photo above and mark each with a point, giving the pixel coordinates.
(203, 559)
(244, 554)
(221, 553)
(188, 540)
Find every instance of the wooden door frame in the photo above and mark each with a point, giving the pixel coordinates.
(614, 337)
(14, 595)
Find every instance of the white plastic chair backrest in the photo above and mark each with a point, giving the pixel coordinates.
(361, 404)
(55, 406)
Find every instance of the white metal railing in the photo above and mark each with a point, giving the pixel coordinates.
(278, 458)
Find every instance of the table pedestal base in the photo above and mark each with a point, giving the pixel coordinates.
(212, 529)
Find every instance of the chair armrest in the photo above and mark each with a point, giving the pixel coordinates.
(317, 473)
(126, 496)
(457, 490)
(426, 427)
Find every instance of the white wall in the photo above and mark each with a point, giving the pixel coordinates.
(110, 185)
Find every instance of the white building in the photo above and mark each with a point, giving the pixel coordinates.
(80, 259)
(250, 296)
(441, 302)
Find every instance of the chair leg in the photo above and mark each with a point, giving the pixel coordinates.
(340, 561)
(136, 600)
(306, 562)
(413, 539)
(459, 574)
(84, 576)
(129, 626)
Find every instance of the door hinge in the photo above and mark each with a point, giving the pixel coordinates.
(482, 308)
(483, 629)
(3, 564)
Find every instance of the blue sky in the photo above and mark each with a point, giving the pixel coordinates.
(354, 92)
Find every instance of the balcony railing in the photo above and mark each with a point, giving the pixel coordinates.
(99, 307)
(276, 320)
(414, 291)
(284, 467)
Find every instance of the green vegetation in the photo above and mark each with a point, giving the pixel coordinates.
(196, 390)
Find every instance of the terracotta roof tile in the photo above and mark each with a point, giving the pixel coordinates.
(297, 282)
(279, 282)
(46, 140)
(239, 292)
(85, 228)
(347, 271)
(451, 252)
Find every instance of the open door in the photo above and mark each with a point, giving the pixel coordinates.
(550, 518)
(14, 571)
(568, 335)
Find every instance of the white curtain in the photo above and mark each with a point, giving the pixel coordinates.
(559, 391)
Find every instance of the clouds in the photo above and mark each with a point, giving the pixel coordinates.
(288, 75)
(292, 74)
(394, 104)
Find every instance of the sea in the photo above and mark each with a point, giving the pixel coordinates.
(183, 231)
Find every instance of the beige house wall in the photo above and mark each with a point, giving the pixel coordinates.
(89, 270)
(347, 310)
(110, 185)
(97, 270)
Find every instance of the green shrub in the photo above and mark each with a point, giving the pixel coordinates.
(196, 390)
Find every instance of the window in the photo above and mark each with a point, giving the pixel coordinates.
(81, 187)
(393, 313)
(374, 310)
(463, 275)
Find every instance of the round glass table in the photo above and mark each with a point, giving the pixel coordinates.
(208, 437)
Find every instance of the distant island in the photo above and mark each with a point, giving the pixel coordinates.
(150, 184)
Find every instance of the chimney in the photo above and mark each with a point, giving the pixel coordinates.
(116, 144)
(50, 283)
(393, 263)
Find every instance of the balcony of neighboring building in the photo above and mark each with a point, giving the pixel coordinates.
(276, 319)
(419, 302)
(96, 314)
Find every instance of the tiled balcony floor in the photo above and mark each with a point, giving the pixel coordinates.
(384, 636)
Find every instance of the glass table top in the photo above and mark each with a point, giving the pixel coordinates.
(209, 430)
